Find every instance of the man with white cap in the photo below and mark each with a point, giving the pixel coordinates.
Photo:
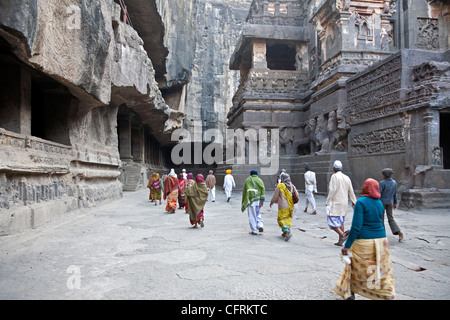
(339, 190)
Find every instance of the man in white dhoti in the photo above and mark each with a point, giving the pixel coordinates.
(211, 185)
(339, 190)
(228, 184)
(310, 188)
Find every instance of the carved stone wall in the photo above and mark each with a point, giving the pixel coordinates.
(59, 143)
(391, 117)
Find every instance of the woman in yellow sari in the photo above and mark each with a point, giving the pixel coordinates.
(283, 193)
(156, 189)
(370, 272)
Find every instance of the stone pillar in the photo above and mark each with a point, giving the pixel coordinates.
(301, 58)
(431, 132)
(259, 60)
(25, 102)
(15, 99)
(136, 143)
(124, 125)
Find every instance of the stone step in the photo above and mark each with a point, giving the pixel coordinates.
(131, 178)
(321, 164)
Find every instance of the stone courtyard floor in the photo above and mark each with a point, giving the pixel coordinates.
(130, 249)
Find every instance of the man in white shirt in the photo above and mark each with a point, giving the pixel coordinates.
(310, 188)
(340, 189)
(228, 184)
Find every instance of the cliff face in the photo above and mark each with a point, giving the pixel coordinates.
(71, 64)
(200, 37)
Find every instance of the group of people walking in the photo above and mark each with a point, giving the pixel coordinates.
(368, 272)
(183, 192)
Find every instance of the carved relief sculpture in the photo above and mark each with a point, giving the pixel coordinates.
(428, 36)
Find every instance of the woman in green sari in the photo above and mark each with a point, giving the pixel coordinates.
(196, 196)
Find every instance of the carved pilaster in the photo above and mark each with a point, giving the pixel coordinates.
(259, 55)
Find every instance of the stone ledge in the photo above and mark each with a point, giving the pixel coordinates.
(426, 198)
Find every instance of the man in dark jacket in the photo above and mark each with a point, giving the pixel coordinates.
(388, 191)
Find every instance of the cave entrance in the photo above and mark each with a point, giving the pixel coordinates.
(444, 137)
(32, 103)
(50, 104)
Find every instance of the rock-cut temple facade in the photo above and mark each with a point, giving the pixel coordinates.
(364, 82)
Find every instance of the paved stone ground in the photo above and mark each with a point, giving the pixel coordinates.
(131, 249)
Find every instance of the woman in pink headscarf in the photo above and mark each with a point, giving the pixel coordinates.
(197, 195)
(189, 181)
(181, 196)
(370, 272)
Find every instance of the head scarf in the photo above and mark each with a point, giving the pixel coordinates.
(228, 171)
(371, 189)
(286, 179)
(170, 185)
(156, 184)
(199, 178)
(387, 172)
(190, 176)
(337, 165)
(254, 171)
(172, 173)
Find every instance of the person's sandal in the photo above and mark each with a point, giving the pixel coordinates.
(288, 236)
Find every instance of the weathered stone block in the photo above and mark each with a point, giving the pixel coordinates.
(15, 220)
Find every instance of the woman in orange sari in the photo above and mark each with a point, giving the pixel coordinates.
(149, 185)
(171, 192)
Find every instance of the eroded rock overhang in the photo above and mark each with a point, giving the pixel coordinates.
(86, 31)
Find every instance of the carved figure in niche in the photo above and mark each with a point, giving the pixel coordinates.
(437, 159)
(384, 39)
(309, 132)
(331, 130)
(428, 35)
(343, 5)
(319, 28)
(298, 62)
(321, 134)
(364, 27)
(341, 134)
(286, 139)
(255, 8)
(301, 144)
(313, 58)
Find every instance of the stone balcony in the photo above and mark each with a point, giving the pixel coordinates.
(283, 13)
(281, 90)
